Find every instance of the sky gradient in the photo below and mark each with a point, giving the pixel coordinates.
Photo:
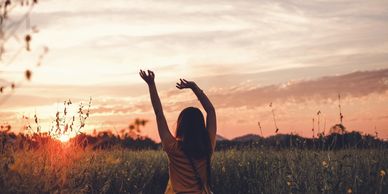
(244, 54)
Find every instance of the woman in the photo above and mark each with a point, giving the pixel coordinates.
(190, 151)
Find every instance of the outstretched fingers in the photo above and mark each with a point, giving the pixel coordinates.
(151, 73)
(179, 86)
(144, 74)
(184, 84)
(141, 73)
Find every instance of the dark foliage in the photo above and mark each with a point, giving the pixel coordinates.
(106, 140)
(333, 141)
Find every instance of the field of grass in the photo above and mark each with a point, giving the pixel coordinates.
(57, 169)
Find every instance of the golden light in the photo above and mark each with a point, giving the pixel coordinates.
(64, 138)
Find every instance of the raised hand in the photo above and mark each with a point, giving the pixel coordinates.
(186, 84)
(164, 132)
(150, 78)
(211, 118)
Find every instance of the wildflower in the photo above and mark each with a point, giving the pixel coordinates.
(382, 173)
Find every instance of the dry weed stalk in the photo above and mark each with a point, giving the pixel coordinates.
(274, 118)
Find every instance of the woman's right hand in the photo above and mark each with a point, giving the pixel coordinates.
(150, 78)
(186, 84)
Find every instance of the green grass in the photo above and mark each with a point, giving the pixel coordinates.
(68, 170)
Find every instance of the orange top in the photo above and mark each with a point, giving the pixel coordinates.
(182, 176)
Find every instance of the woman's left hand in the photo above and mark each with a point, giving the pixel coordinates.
(186, 84)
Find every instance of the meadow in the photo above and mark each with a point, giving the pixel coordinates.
(57, 168)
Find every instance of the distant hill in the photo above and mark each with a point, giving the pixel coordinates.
(247, 137)
(220, 138)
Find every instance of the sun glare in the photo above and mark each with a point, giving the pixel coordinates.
(64, 138)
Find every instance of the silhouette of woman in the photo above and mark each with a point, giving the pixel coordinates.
(190, 151)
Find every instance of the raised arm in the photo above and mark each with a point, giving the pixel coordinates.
(164, 132)
(211, 120)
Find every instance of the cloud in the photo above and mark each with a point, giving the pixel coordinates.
(7, 116)
(357, 84)
(193, 37)
(14, 101)
(123, 109)
(353, 85)
(244, 90)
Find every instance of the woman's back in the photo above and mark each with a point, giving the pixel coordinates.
(182, 175)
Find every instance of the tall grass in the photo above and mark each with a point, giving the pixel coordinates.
(58, 169)
(300, 171)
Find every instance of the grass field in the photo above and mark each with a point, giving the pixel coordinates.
(56, 169)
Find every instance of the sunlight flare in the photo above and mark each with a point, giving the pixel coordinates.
(64, 138)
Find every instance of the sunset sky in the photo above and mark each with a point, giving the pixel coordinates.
(244, 54)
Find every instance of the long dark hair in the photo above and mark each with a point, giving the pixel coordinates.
(192, 132)
(194, 137)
